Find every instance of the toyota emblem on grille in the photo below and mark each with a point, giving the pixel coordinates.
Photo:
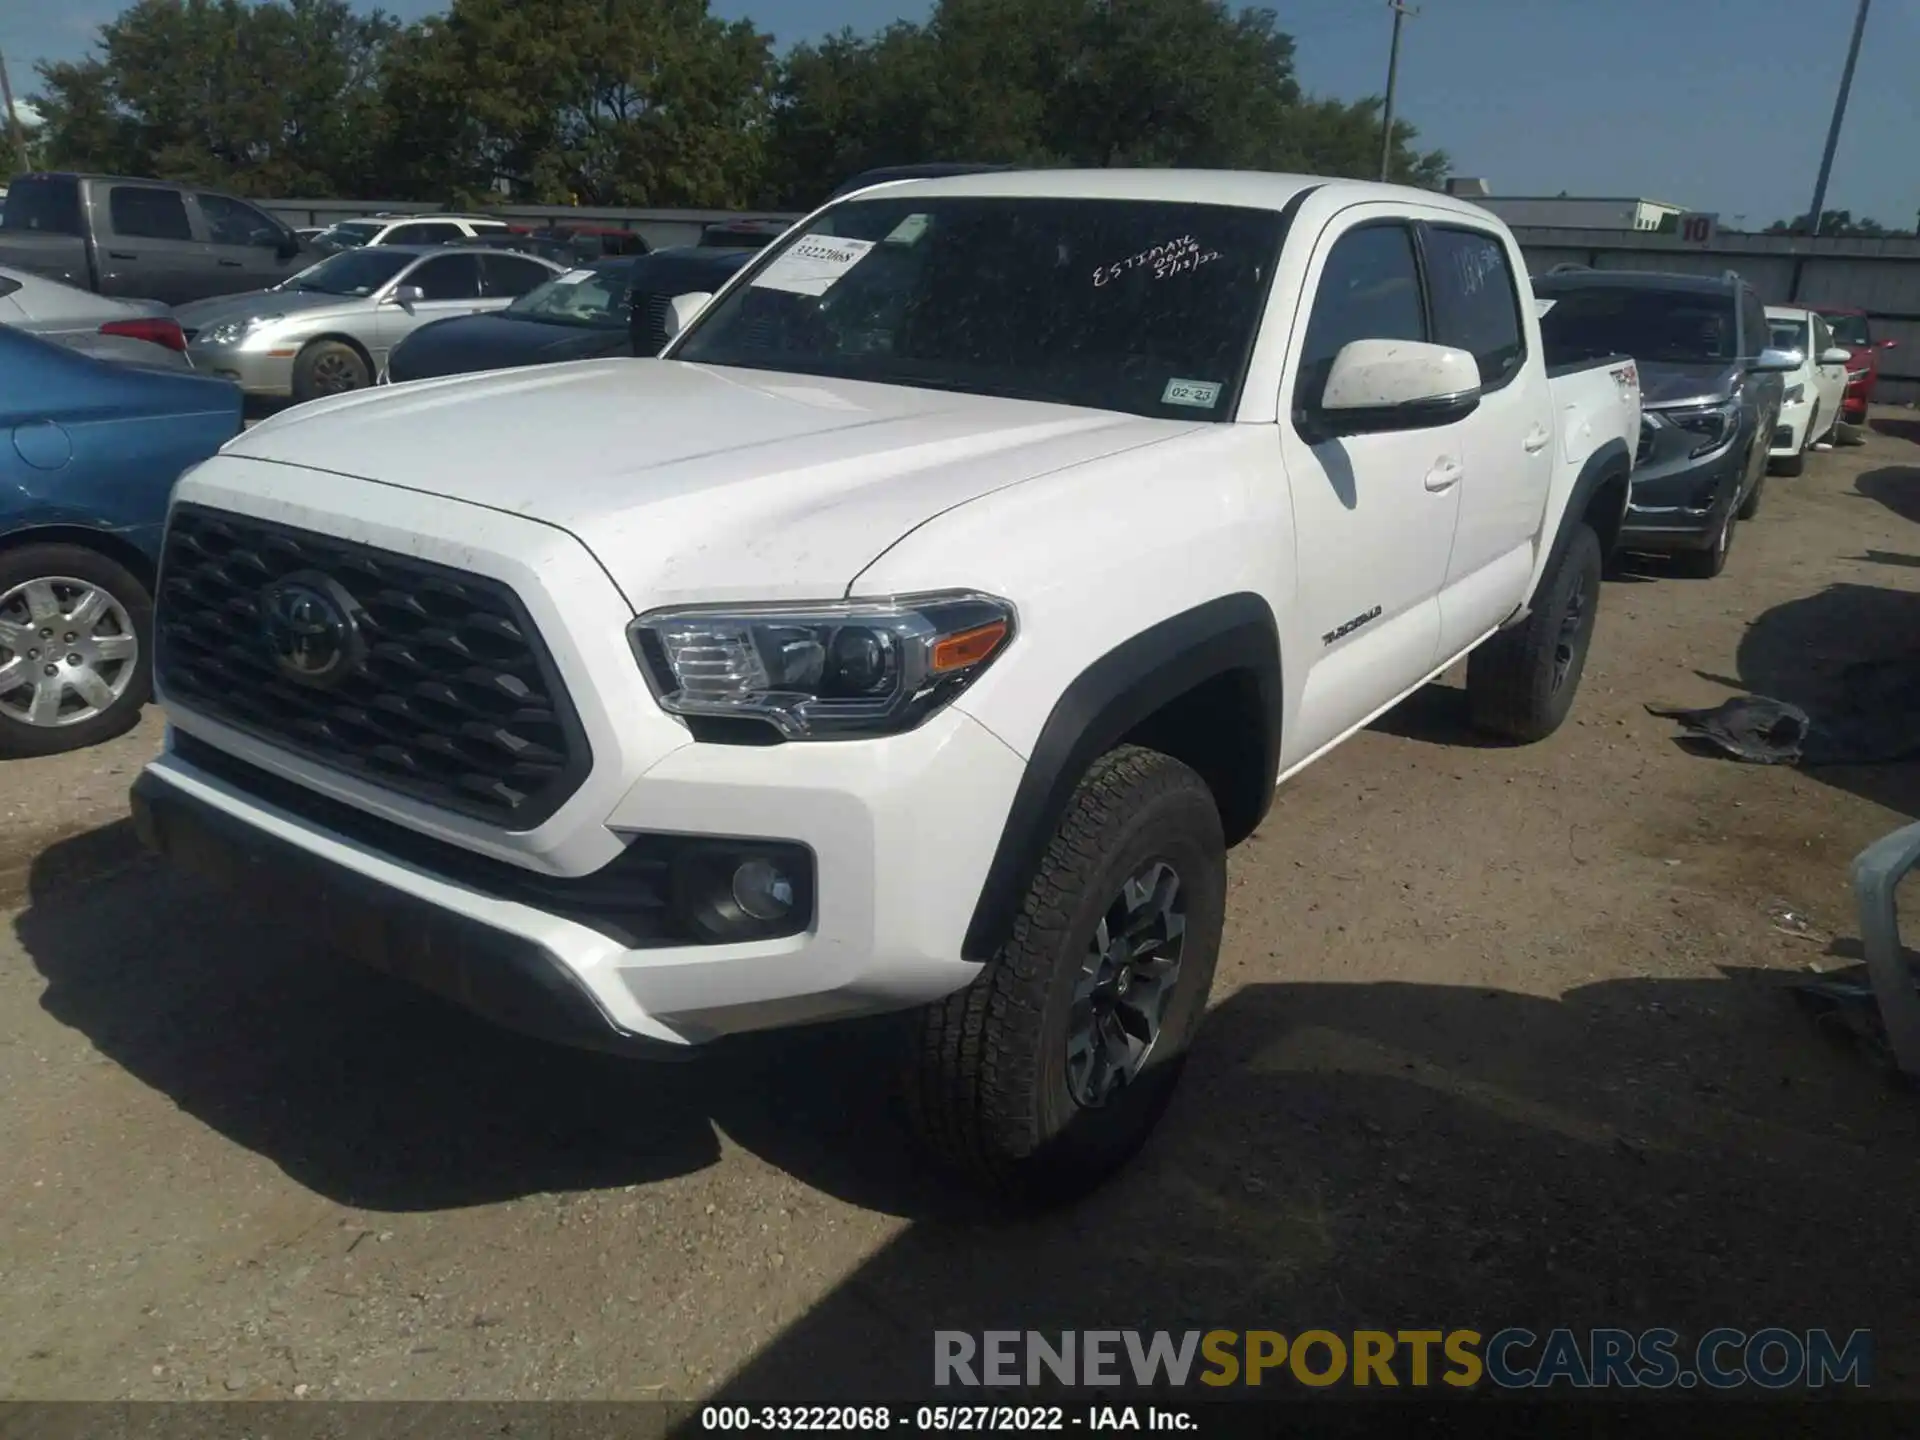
(311, 628)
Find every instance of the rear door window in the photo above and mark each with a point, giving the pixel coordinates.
(1476, 307)
(47, 205)
(448, 277)
(425, 233)
(147, 213)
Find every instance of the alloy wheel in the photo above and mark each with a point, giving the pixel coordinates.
(68, 651)
(1126, 981)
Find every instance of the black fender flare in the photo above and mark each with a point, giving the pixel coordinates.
(1106, 702)
(1612, 461)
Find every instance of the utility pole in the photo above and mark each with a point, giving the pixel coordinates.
(16, 131)
(1400, 13)
(1839, 114)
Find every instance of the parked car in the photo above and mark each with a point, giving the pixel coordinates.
(580, 315)
(743, 234)
(594, 242)
(432, 229)
(1854, 330)
(1711, 396)
(916, 634)
(331, 328)
(677, 270)
(139, 332)
(143, 239)
(84, 486)
(1810, 405)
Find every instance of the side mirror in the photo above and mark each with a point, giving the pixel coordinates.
(1889, 344)
(1835, 355)
(287, 245)
(406, 296)
(682, 308)
(1777, 362)
(1381, 385)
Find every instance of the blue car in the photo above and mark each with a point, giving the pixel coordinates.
(89, 452)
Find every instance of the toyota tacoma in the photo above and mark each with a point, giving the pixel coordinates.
(915, 634)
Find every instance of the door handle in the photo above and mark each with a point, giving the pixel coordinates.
(121, 255)
(1537, 439)
(1444, 475)
(229, 264)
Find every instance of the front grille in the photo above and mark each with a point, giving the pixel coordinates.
(455, 700)
(653, 311)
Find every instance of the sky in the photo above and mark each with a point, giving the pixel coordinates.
(1716, 105)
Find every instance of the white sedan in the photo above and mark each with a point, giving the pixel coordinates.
(1811, 406)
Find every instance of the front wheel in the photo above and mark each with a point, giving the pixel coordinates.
(1521, 682)
(1706, 564)
(1048, 1072)
(329, 367)
(74, 631)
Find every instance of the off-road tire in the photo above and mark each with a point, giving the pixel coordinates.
(19, 739)
(986, 1082)
(321, 354)
(1520, 684)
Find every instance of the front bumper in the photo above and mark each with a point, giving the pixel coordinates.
(1789, 431)
(254, 371)
(1678, 505)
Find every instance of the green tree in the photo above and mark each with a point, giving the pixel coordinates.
(269, 99)
(1075, 82)
(1832, 222)
(609, 102)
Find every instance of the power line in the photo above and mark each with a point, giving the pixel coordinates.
(1400, 13)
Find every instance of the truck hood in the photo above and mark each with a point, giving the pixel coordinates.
(692, 482)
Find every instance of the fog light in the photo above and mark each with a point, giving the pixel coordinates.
(763, 890)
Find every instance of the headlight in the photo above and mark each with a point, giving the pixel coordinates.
(1794, 394)
(232, 332)
(1711, 425)
(1854, 377)
(838, 670)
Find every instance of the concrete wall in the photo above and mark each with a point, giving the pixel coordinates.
(1574, 213)
(659, 228)
(1881, 277)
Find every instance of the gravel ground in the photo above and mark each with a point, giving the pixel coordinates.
(1501, 1036)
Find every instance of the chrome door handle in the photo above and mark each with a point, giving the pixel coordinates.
(1537, 439)
(1444, 475)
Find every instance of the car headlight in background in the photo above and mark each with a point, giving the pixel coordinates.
(1795, 393)
(232, 332)
(839, 670)
(1854, 377)
(1711, 426)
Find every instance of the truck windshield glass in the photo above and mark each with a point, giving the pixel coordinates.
(1787, 335)
(1676, 327)
(354, 272)
(1850, 331)
(1145, 307)
(595, 298)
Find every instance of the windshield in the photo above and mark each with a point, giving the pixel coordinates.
(1787, 334)
(1146, 307)
(353, 272)
(1850, 331)
(596, 298)
(350, 232)
(1679, 327)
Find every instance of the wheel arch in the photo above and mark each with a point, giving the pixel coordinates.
(1204, 686)
(115, 547)
(1597, 499)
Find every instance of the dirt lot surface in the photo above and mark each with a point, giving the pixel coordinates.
(1502, 1036)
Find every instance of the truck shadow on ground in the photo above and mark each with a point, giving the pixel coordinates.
(1641, 1152)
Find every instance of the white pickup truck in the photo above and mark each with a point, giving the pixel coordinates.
(915, 635)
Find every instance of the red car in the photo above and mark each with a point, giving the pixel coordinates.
(1850, 329)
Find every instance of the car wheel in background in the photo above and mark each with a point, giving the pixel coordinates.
(1521, 682)
(75, 637)
(1040, 1078)
(329, 367)
(1796, 463)
(1705, 564)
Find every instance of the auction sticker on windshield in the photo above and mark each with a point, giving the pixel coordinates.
(1201, 394)
(812, 265)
